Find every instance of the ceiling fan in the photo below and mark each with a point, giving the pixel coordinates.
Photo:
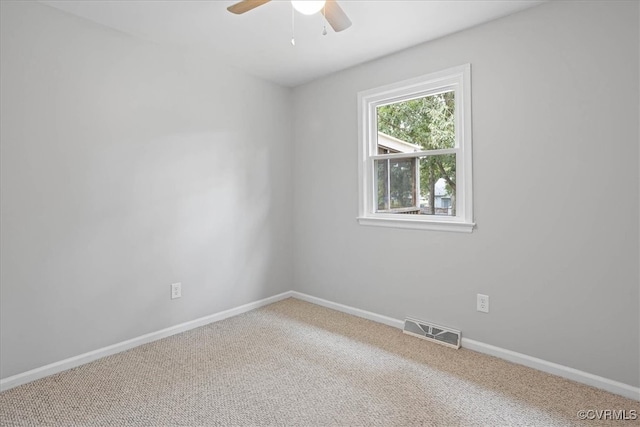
(331, 10)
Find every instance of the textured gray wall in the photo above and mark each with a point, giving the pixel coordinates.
(555, 128)
(125, 168)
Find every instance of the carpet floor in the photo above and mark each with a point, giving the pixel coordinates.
(298, 364)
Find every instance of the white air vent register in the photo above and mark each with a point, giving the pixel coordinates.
(429, 331)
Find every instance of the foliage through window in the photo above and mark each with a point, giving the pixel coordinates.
(416, 153)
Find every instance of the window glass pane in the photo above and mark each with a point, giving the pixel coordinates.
(397, 186)
(426, 123)
(383, 184)
(438, 185)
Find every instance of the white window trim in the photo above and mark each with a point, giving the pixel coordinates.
(457, 78)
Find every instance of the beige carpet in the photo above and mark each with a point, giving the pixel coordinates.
(298, 364)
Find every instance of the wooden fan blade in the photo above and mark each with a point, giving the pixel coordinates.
(245, 6)
(335, 16)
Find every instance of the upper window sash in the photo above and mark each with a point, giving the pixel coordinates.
(373, 110)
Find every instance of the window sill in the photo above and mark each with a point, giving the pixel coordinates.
(418, 224)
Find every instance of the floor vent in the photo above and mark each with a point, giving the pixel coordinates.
(429, 331)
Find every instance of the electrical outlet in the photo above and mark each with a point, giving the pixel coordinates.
(483, 303)
(176, 290)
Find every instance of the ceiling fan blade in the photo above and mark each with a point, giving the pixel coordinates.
(335, 16)
(245, 6)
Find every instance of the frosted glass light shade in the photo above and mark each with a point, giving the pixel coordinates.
(307, 7)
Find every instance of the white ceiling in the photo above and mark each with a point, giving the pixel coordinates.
(259, 40)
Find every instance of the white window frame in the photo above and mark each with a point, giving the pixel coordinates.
(457, 79)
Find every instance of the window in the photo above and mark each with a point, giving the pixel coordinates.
(415, 153)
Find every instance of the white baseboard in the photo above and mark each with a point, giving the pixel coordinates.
(612, 386)
(72, 362)
(555, 369)
(512, 356)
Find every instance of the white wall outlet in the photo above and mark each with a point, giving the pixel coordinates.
(176, 290)
(483, 303)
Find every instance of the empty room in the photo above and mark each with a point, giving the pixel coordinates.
(319, 213)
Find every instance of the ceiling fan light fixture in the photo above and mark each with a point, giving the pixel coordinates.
(308, 7)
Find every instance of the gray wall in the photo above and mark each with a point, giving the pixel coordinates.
(125, 168)
(555, 129)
